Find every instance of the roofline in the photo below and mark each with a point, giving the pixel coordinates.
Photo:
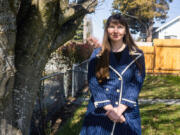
(168, 23)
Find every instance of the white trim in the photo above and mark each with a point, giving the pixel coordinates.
(97, 55)
(129, 100)
(120, 95)
(115, 71)
(98, 102)
(120, 75)
(131, 63)
(134, 53)
(168, 23)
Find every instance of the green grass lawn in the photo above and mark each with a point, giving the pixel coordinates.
(73, 125)
(157, 119)
(163, 87)
(160, 119)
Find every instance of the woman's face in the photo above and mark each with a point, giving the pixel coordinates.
(116, 32)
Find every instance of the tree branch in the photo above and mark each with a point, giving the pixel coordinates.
(69, 20)
(63, 4)
(73, 11)
(66, 32)
(135, 17)
(14, 6)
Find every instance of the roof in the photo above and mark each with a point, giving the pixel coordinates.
(168, 23)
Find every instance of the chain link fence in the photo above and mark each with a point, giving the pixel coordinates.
(55, 89)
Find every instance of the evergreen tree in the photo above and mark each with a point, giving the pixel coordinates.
(79, 33)
(142, 14)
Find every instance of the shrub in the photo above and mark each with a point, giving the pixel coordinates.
(75, 52)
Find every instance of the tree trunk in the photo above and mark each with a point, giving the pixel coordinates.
(29, 32)
(8, 11)
(149, 32)
(26, 87)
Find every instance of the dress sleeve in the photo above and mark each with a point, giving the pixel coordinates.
(97, 91)
(134, 86)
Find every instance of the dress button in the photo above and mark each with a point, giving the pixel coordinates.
(116, 103)
(119, 78)
(107, 89)
(118, 90)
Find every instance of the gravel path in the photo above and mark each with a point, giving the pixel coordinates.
(143, 101)
(165, 101)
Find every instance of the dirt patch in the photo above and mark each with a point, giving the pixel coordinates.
(66, 112)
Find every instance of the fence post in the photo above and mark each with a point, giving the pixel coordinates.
(65, 80)
(73, 80)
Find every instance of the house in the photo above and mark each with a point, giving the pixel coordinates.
(87, 27)
(169, 30)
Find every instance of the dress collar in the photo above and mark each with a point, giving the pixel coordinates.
(114, 62)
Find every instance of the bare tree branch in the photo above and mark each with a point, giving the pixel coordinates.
(66, 33)
(14, 5)
(76, 10)
(135, 17)
(63, 4)
(69, 22)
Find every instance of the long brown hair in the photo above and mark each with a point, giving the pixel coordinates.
(102, 63)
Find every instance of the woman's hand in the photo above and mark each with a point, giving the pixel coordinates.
(115, 114)
(111, 112)
(93, 42)
(112, 115)
(121, 119)
(121, 108)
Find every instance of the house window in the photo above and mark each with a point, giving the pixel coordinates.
(170, 37)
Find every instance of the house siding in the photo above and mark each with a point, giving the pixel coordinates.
(170, 30)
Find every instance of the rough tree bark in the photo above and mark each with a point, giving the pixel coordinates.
(149, 31)
(30, 30)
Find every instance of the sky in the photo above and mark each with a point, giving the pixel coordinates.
(103, 11)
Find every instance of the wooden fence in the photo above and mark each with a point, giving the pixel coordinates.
(163, 56)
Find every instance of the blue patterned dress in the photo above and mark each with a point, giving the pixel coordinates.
(123, 86)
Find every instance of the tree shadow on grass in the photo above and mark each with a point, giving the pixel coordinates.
(161, 87)
(157, 119)
(160, 119)
(73, 125)
(153, 82)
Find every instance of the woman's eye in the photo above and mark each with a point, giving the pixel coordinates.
(111, 26)
(120, 27)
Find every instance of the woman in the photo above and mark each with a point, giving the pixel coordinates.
(116, 74)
